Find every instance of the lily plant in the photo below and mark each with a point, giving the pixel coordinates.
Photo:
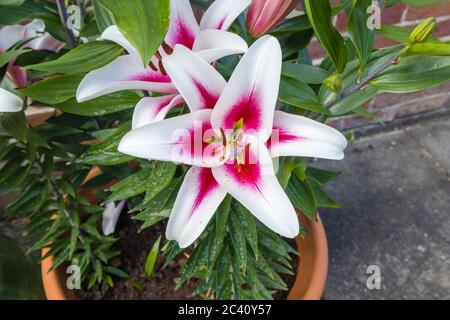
(229, 139)
(209, 39)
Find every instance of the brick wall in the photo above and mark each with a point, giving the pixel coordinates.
(388, 106)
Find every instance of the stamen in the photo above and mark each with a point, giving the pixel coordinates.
(167, 48)
(161, 68)
(152, 66)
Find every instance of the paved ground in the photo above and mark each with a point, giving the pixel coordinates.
(395, 192)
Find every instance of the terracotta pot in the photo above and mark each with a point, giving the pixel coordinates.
(309, 281)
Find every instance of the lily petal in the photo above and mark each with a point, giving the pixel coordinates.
(183, 26)
(213, 45)
(152, 109)
(199, 197)
(112, 33)
(10, 35)
(180, 139)
(110, 216)
(45, 42)
(251, 93)
(222, 13)
(256, 187)
(302, 137)
(9, 102)
(196, 80)
(125, 73)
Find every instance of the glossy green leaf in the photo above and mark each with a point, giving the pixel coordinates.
(414, 73)
(353, 101)
(302, 197)
(151, 259)
(101, 106)
(9, 55)
(54, 90)
(84, 58)
(102, 16)
(303, 72)
(144, 23)
(11, 2)
(361, 36)
(319, 13)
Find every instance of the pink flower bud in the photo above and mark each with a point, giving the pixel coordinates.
(264, 14)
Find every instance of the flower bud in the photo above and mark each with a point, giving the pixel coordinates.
(334, 82)
(423, 31)
(264, 14)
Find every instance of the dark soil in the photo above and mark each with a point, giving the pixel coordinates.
(135, 248)
(161, 286)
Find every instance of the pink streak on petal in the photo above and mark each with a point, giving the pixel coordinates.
(182, 35)
(206, 185)
(161, 106)
(220, 24)
(152, 77)
(248, 109)
(282, 137)
(248, 174)
(209, 99)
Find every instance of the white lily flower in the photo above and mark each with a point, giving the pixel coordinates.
(236, 157)
(110, 217)
(209, 40)
(9, 102)
(10, 35)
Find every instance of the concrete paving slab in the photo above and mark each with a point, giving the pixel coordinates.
(395, 192)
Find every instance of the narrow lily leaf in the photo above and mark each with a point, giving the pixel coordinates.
(358, 32)
(353, 101)
(101, 106)
(303, 72)
(320, 175)
(84, 58)
(297, 93)
(11, 2)
(321, 198)
(403, 83)
(302, 197)
(54, 90)
(102, 16)
(144, 23)
(151, 259)
(9, 55)
(319, 13)
(130, 186)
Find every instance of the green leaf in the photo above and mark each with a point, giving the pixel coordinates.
(160, 179)
(302, 197)
(15, 124)
(320, 175)
(297, 93)
(101, 106)
(303, 72)
(130, 186)
(358, 32)
(151, 259)
(404, 83)
(104, 158)
(321, 198)
(144, 23)
(54, 90)
(353, 101)
(319, 14)
(9, 55)
(11, 2)
(82, 59)
(102, 16)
